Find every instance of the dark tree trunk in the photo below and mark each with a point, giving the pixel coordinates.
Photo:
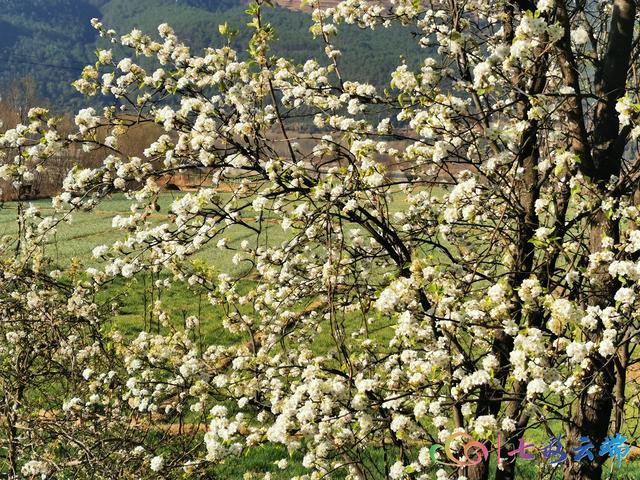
(490, 398)
(592, 414)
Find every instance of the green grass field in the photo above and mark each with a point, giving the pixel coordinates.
(75, 241)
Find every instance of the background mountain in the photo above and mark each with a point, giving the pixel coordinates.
(45, 43)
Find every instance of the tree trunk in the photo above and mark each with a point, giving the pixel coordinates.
(592, 414)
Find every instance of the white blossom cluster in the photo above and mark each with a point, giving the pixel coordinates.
(426, 260)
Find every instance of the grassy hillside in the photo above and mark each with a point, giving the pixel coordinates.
(367, 55)
(51, 40)
(296, 4)
(46, 39)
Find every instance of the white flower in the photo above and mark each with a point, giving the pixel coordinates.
(497, 292)
(571, 277)
(479, 377)
(537, 385)
(490, 362)
(399, 291)
(589, 322)
(484, 424)
(166, 116)
(384, 126)
(633, 244)
(33, 468)
(520, 49)
(156, 463)
(128, 270)
(259, 203)
(374, 180)
(420, 409)
(546, 5)
(86, 119)
(440, 421)
(606, 348)
(578, 351)
(100, 251)
(399, 422)
(482, 76)
(593, 389)
(625, 108)
(508, 424)
(562, 311)
(104, 56)
(125, 65)
(139, 450)
(403, 79)
(238, 161)
(579, 36)
(625, 296)
(396, 471)
(542, 233)
(424, 457)
(530, 290)
(69, 405)
(165, 30)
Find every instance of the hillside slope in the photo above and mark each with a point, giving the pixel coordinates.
(51, 40)
(296, 4)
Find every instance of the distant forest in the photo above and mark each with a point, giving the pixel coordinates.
(45, 43)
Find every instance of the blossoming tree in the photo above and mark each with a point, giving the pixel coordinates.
(470, 256)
